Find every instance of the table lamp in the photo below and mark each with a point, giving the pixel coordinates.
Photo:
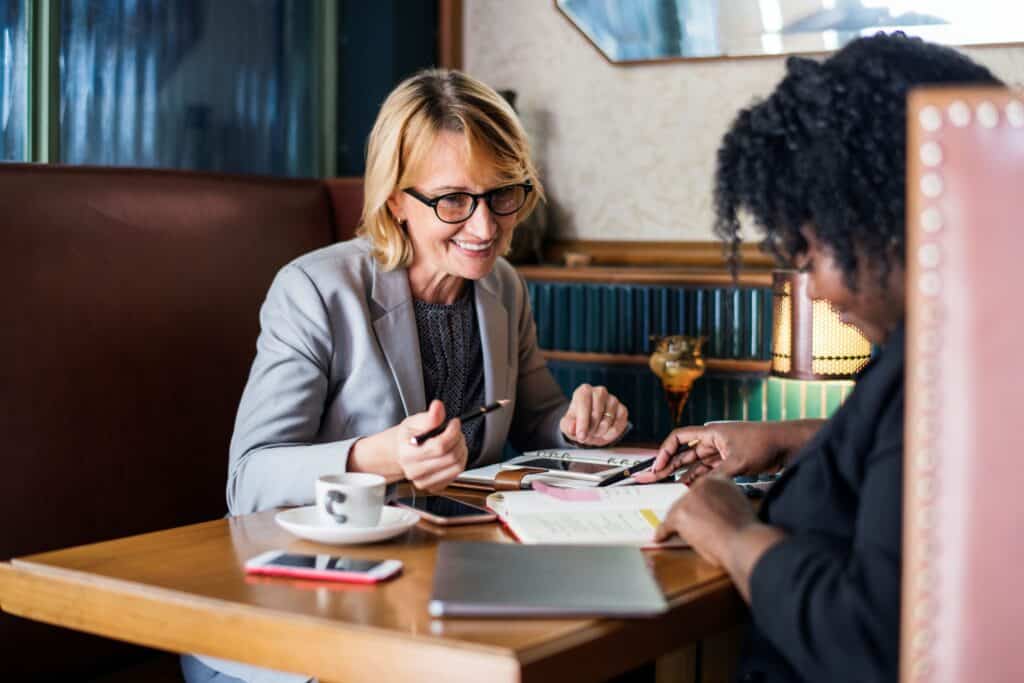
(809, 342)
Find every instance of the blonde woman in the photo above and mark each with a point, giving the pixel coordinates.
(368, 342)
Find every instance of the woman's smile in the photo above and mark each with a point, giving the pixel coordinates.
(474, 248)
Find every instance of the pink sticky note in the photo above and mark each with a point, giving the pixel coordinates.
(566, 494)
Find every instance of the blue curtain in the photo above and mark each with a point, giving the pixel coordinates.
(13, 81)
(221, 86)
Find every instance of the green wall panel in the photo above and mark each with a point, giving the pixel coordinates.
(599, 318)
(620, 319)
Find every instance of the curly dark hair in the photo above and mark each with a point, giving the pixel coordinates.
(828, 149)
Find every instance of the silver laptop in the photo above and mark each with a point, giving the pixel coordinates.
(510, 580)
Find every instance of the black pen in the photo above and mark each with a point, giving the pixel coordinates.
(626, 472)
(683, 447)
(465, 417)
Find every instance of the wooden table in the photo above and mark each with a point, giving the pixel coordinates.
(184, 590)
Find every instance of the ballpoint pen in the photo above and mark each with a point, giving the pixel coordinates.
(465, 417)
(629, 471)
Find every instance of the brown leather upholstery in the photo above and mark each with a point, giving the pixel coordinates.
(347, 197)
(130, 318)
(964, 547)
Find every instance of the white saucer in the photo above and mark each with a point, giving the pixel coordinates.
(305, 523)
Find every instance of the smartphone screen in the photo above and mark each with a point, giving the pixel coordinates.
(324, 562)
(442, 506)
(567, 465)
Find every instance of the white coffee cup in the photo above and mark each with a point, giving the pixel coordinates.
(350, 499)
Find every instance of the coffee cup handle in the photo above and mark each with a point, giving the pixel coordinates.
(332, 498)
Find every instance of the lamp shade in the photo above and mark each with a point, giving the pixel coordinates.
(809, 342)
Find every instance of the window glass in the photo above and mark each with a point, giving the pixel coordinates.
(222, 86)
(13, 81)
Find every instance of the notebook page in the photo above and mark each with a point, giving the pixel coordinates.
(653, 496)
(590, 527)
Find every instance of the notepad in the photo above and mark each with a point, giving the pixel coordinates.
(500, 579)
(576, 467)
(592, 465)
(608, 516)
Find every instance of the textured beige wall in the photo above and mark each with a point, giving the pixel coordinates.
(627, 152)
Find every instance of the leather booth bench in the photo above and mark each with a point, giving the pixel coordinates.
(131, 303)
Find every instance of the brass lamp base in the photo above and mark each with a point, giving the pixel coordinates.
(677, 362)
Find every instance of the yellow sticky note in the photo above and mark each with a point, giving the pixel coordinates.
(651, 518)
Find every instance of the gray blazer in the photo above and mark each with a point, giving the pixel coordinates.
(338, 358)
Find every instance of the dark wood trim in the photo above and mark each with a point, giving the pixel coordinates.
(646, 276)
(690, 254)
(597, 358)
(739, 367)
(717, 365)
(449, 34)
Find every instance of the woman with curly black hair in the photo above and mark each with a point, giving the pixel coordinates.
(820, 168)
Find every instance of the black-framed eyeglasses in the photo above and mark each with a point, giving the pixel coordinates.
(457, 207)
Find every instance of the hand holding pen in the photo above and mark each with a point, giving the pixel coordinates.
(434, 450)
(435, 462)
(467, 416)
(733, 448)
(678, 450)
(425, 449)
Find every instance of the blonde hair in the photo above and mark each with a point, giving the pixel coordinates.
(410, 120)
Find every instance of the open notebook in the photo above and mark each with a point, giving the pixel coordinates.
(625, 515)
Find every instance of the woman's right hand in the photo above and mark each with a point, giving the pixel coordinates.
(734, 448)
(435, 463)
(430, 467)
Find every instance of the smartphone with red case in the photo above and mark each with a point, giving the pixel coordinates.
(322, 567)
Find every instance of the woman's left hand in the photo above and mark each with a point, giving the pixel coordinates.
(595, 417)
(709, 517)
